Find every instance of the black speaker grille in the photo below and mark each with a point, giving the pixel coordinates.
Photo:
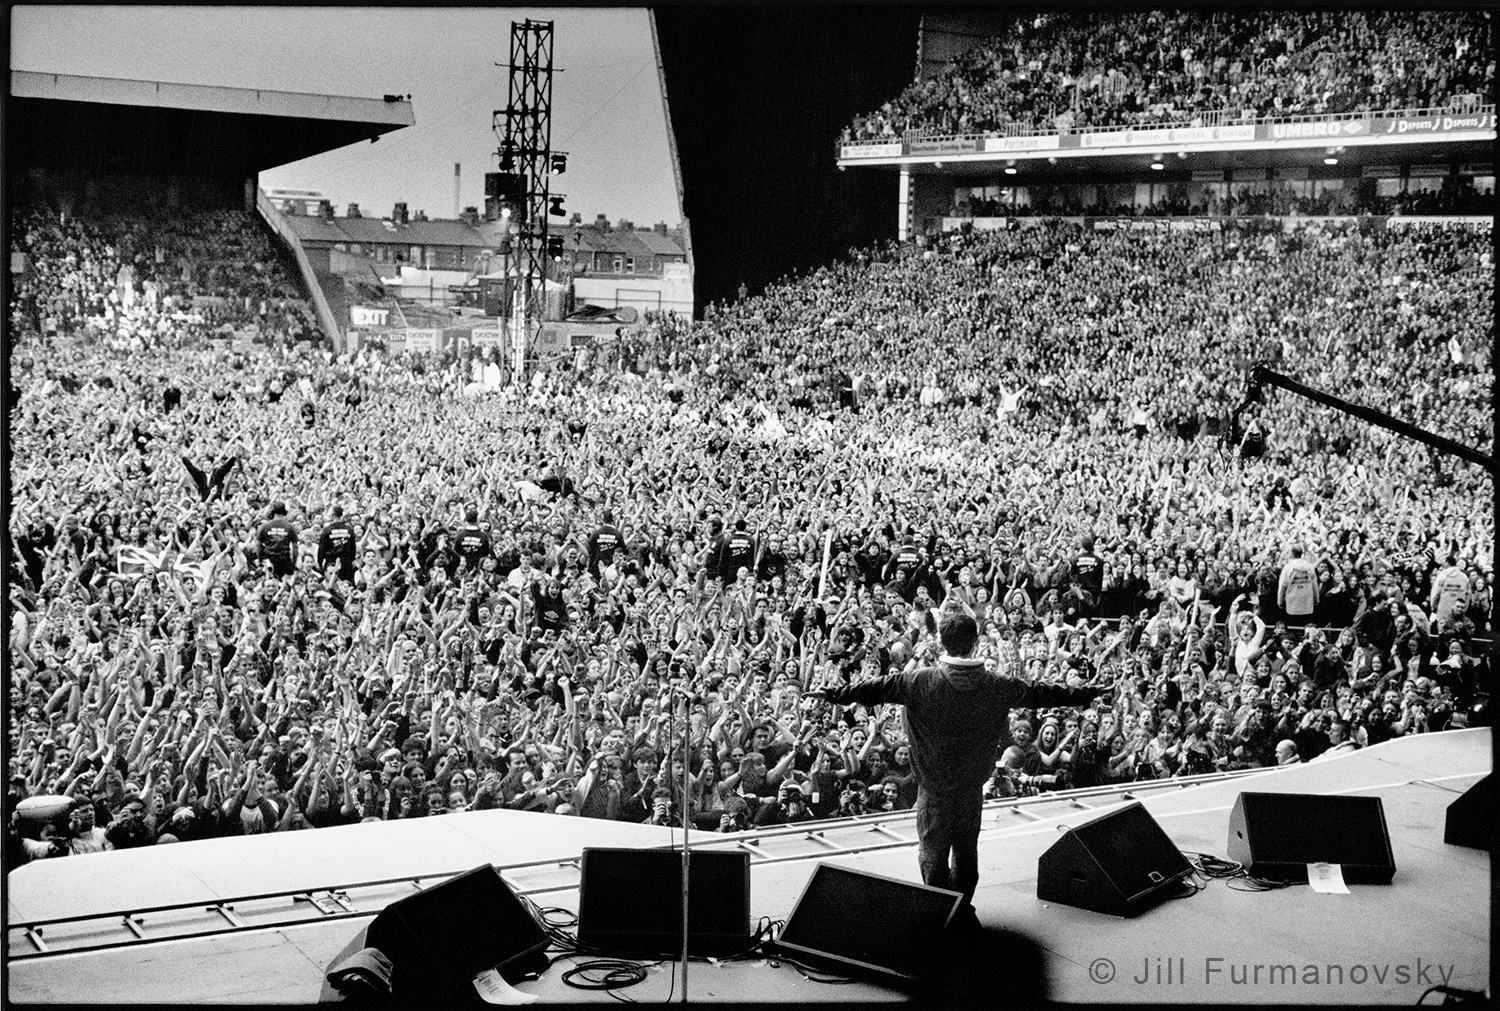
(631, 899)
(439, 939)
(1294, 828)
(1133, 850)
(870, 920)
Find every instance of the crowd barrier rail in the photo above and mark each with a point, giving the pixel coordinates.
(867, 833)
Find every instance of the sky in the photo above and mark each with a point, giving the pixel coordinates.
(606, 99)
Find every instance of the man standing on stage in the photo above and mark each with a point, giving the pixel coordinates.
(956, 713)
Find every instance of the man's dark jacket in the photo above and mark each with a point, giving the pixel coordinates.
(956, 715)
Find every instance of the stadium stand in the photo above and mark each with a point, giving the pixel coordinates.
(1060, 72)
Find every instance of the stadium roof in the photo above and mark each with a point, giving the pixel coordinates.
(57, 120)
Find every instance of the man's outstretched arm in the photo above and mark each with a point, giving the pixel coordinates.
(1037, 694)
(891, 688)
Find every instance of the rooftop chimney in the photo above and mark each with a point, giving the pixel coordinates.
(325, 209)
(660, 228)
(601, 222)
(352, 212)
(399, 213)
(625, 225)
(470, 216)
(576, 219)
(421, 215)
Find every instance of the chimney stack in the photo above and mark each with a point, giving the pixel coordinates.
(325, 209)
(601, 222)
(457, 176)
(352, 212)
(399, 213)
(470, 216)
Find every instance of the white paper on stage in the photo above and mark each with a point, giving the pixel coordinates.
(1327, 878)
(491, 986)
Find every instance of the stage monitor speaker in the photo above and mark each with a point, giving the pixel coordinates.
(630, 901)
(1471, 818)
(1121, 863)
(853, 920)
(1276, 835)
(441, 938)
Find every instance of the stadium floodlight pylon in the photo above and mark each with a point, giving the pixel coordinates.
(524, 127)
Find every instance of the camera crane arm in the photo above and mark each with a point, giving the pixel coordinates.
(1261, 376)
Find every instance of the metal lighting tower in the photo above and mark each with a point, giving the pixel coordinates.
(524, 127)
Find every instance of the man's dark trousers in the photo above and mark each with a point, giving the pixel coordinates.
(949, 823)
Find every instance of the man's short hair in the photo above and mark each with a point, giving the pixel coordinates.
(643, 754)
(959, 633)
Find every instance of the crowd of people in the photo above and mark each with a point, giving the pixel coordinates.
(1060, 71)
(272, 587)
(1452, 197)
(134, 281)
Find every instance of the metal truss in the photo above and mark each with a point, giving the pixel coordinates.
(524, 127)
(363, 899)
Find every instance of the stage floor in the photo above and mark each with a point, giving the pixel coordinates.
(1387, 943)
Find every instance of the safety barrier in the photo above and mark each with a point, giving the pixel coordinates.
(353, 900)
